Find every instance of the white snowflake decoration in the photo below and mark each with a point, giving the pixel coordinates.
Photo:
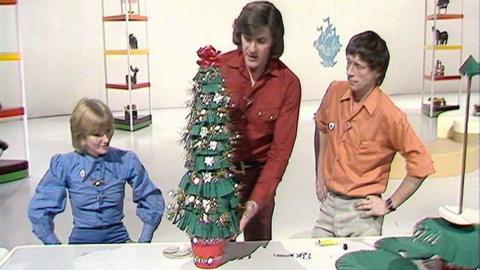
(209, 161)
(217, 98)
(203, 132)
(207, 177)
(213, 145)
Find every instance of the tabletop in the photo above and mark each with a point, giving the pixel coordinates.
(277, 254)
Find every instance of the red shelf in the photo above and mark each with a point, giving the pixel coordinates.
(10, 112)
(125, 86)
(445, 17)
(442, 78)
(122, 18)
(7, 2)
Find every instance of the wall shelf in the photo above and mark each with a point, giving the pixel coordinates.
(444, 47)
(442, 78)
(11, 112)
(7, 2)
(125, 86)
(132, 16)
(122, 18)
(444, 17)
(10, 56)
(13, 107)
(126, 52)
(439, 67)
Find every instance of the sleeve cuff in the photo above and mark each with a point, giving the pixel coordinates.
(147, 233)
(50, 239)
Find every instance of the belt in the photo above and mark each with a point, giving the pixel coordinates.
(242, 166)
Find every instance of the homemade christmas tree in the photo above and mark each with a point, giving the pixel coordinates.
(205, 203)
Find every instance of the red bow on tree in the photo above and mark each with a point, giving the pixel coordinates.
(208, 56)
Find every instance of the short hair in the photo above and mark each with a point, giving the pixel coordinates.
(371, 48)
(89, 117)
(253, 18)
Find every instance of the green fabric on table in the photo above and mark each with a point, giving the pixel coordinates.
(407, 246)
(458, 245)
(374, 259)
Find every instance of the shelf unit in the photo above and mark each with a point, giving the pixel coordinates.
(132, 13)
(14, 169)
(438, 66)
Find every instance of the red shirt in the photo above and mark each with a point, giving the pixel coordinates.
(361, 144)
(265, 115)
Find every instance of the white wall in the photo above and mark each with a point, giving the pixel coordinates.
(63, 46)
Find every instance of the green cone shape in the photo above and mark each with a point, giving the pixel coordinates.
(205, 203)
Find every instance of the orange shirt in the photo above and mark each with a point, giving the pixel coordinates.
(266, 117)
(361, 144)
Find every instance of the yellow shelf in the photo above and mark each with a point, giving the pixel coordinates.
(444, 47)
(125, 52)
(9, 56)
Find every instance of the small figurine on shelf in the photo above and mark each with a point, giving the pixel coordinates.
(3, 147)
(134, 112)
(476, 109)
(129, 5)
(438, 101)
(439, 69)
(442, 4)
(441, 37)
(132, 41)
(133, 78)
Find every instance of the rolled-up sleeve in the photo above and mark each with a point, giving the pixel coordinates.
(148, 197)
(48, 201)
(419, 163)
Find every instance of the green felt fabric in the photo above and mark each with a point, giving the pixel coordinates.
(405, 246)
(373, 259)
(458, 245)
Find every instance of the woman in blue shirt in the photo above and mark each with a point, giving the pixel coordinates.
(94, 177)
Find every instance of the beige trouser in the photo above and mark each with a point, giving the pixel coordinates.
(339, 218)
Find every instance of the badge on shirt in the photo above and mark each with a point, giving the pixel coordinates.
(331, 125)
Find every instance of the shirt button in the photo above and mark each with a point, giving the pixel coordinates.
(259, 114)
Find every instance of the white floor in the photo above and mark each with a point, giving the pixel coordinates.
(159, 149)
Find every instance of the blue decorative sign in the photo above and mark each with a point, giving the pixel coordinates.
(327, 44)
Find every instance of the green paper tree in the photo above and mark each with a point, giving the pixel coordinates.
(205, 203)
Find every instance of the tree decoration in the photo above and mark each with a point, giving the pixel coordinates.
(205, 203)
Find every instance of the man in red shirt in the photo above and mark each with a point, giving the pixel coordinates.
(358, 132)
(265, 102)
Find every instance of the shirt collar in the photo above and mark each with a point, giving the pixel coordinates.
(238, 62)
(370, 103)
(89, 162)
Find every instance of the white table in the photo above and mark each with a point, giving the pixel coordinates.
(241, 255)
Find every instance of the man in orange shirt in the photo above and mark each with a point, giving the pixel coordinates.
(265, 102)
(358, 132)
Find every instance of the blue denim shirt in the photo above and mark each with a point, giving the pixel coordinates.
(94, 204)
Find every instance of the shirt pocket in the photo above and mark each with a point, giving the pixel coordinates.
(369, 147)
(262, 121)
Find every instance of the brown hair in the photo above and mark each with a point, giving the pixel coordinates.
(253, 18)
(90, 117)
(372, 49)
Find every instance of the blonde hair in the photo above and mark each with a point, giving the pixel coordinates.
(90, 117)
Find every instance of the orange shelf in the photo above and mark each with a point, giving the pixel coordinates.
(122, 18)
(7, 2)
(442, 78)
(445, 17)
(125, 86)
(11, 112)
